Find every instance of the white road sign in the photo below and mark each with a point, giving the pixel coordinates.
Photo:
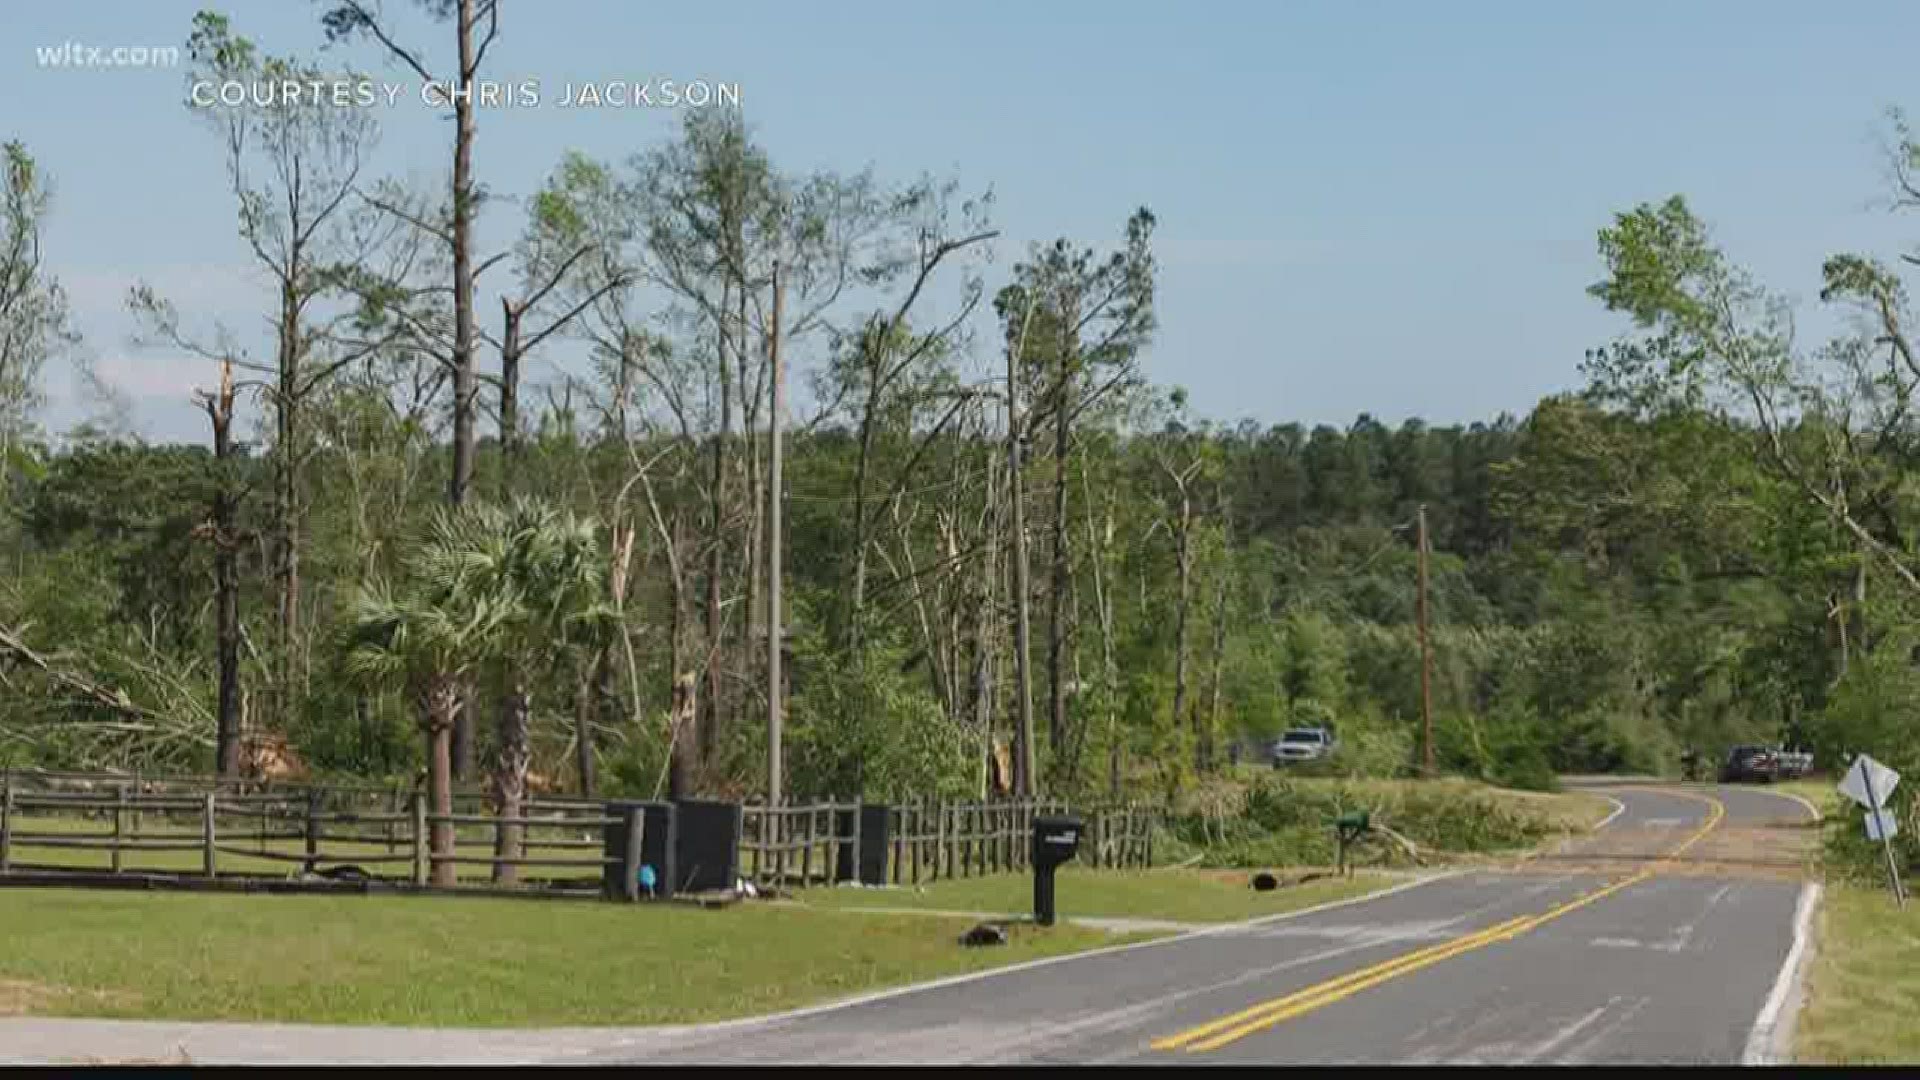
(1867, 773)
(1881, 824)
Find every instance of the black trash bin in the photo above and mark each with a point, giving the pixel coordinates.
(1055, 840)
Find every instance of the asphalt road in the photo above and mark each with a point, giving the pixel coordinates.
(1663, 938)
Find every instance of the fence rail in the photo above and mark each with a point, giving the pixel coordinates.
(124, 824)
(270, 834)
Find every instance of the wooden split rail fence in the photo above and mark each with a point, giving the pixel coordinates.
(384, 835)
(805, 845)
(206, 828)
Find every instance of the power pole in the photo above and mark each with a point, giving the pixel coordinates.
(774, 488)
(1023, 785)
(1426, 646)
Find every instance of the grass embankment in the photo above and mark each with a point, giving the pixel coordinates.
(1864, 979)
(464, 962)
(1821, 793)
(1278, 819)
(1195, 896)
(1864, 987)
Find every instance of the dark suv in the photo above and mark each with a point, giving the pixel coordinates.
(1750, 763)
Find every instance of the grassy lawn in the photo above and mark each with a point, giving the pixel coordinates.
(1864, 988)
(466, 962)
(1568, 811)
(1176, 895)
(1821, 793)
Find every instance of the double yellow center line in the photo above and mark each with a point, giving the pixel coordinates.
(1228, 1029)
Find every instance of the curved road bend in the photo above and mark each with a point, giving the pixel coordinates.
(1639, 944)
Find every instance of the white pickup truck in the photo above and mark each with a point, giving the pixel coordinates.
(1302, 744)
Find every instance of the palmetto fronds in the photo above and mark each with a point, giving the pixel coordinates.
(484, 584)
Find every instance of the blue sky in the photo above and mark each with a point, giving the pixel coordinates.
(1381, 207)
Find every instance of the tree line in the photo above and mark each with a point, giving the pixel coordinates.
(528, 541)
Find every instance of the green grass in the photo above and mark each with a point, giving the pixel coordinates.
(1821, 793)
(480, 962)
(1198, 896)
(1864, 988)
(1578, 811)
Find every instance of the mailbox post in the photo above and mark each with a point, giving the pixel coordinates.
(1055, 839)
(1348, 828)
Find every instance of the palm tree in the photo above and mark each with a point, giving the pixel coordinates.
(546, 564)
(428, 635)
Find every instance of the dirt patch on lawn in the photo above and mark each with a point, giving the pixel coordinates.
(19, 997)
(24, 997)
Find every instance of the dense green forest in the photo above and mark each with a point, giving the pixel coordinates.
(414, 514)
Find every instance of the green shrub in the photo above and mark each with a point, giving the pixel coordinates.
(1873, 711)
(1284, 820)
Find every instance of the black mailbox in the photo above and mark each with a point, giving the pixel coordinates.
(1055, 839)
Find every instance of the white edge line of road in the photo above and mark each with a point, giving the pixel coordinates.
(721, 1026)
(1767, 1045)
(1618, 809)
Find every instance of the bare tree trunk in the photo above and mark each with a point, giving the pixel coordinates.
(681, 708)
(1057, 585)
(1183, 544)
(709, 724)
(1860, 602)
(465, 384)
(680, 751)
(1023, 773)
(509, 395)
(1209, 729)
(226, 581)
(752, 555)
(510, 779)
(776, 583)
(983, 636)
(857, 604)
(1100, 550)
(286, 546)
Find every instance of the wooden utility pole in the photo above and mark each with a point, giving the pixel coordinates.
(1023, 785)
(774, 488)
(1426, 647)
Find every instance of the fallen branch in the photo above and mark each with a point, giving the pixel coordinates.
(107, 697)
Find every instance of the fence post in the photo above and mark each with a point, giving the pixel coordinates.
(312, 830)
(940, 843)
(636, 823)
(119, 822)
(777, 816)
(899, 838)
(206, 835)
(859, 848)
(419, 839)
(916, 840)
(806, 853)
(977, 838)
(6, 823)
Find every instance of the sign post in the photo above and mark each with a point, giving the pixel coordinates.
(1869, 783)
